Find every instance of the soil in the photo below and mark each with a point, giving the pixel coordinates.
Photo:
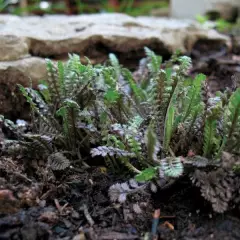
(74, 204)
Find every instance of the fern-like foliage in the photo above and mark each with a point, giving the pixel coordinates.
(172, 167)
(115, 63)
(193, 97)
(211, 138)
(217, 187)
(104, 151)
(149, 127)
(57, 161)
(154, 61)
(152, 144)
(232, 123)
(69, 113)
(119, 192)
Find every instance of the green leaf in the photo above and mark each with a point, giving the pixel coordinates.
(201, 19)
(168, 127)
(61, 77)
(43, 88)
(193, 97)
(232, 122)
(172, 167)
(234, 111)
(155, 61)
(138, 92)
(115, 63)
(152, 144)
(71, 104)
(62, 112)
(209, 135)
(199, 79)
(146, 175)
(168, 74)
(111, 96)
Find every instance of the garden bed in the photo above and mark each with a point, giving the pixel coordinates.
(74, 203)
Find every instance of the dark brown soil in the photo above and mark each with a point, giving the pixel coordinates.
(74, 204)
(55, 209)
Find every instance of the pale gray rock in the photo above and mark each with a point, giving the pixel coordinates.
(87, 34)
(13, 47)
(25, 71)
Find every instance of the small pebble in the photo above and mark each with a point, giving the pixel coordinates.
(67, 223)
(80, 236)
(75, 215)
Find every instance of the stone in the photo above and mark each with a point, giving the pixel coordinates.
(12, 48)
(23, 72)
(75, 215)
(95, 35)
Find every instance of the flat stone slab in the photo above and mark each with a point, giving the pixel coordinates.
(59, 35)
(27, 72)
(12, 47)
(26, 41)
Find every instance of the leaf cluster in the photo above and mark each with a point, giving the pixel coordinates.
(149, 127)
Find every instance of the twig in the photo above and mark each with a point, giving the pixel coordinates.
(21, 176)
(171, 152)
(47, 194)
(167, 217)
(155, 222)
(63, 207)
(168, 225)
(59, 207)
(87, 215)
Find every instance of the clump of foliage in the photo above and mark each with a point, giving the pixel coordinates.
(219, 24)
(159, 128)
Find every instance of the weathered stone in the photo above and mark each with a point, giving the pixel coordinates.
(97, 34)
(12, 47)
(24, 71)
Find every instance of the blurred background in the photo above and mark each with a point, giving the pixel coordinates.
(201, 10)
(40, 7)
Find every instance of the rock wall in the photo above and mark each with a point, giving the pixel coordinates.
(26, 41)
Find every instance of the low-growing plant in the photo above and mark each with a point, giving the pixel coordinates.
(159, 128)
(220, 24)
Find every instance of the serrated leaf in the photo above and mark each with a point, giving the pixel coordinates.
(57, 161)
(172, 167)
(136, 208)
(122, 197)
(152, 144)
(115, 63)
(125, 186)
(111, 96)
(133, 183)
(146, 175)
(168, 127)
